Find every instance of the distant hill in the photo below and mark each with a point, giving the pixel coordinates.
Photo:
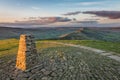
(105, 34)
(39, 33)
(68, 33)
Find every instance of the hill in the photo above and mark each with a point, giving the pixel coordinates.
(105, 34)
(64, 33)
(39, 33)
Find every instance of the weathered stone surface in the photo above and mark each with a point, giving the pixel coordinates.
(46, 73)
(45, 78)
(53, 74)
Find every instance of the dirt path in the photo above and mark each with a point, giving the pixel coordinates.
(101, 52)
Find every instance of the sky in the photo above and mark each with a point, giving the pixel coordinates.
(58, 12)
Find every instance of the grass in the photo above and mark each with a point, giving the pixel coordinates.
(46, 44)
(103, 45)
(9, 48)
(8, 44)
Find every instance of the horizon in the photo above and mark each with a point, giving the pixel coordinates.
(63, 13)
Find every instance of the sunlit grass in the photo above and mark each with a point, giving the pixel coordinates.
(46, 44)
(9, 47)
(8, 44)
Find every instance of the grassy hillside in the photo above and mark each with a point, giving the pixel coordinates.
(8, 49)
(91, 34)
(10, 46)
(64, 33)
(102, 35)
(39, 33)
(104, 45)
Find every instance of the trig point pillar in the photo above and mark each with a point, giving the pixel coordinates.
(27, 56)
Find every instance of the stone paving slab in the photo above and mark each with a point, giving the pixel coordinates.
(115, 57)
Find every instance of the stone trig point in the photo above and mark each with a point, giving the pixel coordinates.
(27, 56)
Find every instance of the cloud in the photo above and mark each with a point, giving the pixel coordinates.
(72, 13)
(109, 14)
(39, 21)
(88, 19)
(87, 22)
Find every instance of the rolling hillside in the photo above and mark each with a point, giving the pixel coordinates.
(64, 33)
(93, 34)
(39, 33)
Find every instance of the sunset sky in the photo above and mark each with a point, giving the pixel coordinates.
(58, 12)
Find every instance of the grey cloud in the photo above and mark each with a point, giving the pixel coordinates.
(109, 14)
(72, 13)
(39, 21)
